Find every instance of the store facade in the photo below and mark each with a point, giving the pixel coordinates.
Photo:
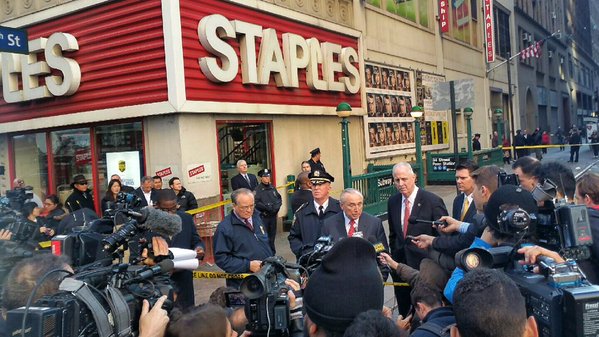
(175, 88)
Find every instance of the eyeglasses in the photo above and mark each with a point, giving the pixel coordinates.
(81, 183)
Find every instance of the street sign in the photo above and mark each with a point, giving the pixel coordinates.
(14, 40)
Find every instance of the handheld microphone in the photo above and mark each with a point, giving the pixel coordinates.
(163, 267)
(159, 222)
(413, 221)
(379, 247)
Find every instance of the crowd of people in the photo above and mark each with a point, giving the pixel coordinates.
(344, 295)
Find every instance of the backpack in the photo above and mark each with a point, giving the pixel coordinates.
(436, 329)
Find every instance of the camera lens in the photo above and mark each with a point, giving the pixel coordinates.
(252, 287)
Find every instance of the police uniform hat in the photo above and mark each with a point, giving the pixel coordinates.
(264, 173)
(508, 194)
(315, 152)
(318, 177)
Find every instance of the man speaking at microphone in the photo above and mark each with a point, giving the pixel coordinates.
(410, 203)
(188, 238)
(353, 221)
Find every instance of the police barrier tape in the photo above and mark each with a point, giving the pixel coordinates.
(544, 146)
(217, 274)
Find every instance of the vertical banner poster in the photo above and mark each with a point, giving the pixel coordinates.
(126, 165)
(489, 31)
(432, 130)
(389, 128)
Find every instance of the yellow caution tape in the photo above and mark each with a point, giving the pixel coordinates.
(543, 146)
(396, 284)
(215, 274)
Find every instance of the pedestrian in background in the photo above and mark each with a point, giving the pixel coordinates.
(545, 140)
(575, 142)
(268, 202)
(595, 144)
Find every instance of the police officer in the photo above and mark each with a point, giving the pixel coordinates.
(308, 219)
(268, 202)
(315, 163)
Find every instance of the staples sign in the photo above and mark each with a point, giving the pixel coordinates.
(283, 62)
(61, 75)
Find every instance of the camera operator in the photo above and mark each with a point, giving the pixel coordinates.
(488, 303)
(587, 193)
(432, 312)
(527, 170)
(19, 183)
(336, 293)
(506, 197)
(188, 238)
(561, 176)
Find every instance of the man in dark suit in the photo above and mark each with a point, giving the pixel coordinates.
(353, 221)
(243, 179)
(303, 193)
(145, 192)
(410, 203)
(463, 210)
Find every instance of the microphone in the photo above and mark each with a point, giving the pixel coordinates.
(413, 221)
(379, 247)
(159, 222)
(163, 267)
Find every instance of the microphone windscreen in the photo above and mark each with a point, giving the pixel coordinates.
(412, 220)
(378, 246)
(189, 264)
(166, 265)
(182, 254)
(160, 222)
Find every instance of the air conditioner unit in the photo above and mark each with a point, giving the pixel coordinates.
(530, 38)
(553, 15)
(561, 60)
(550, 54)
(524, 36)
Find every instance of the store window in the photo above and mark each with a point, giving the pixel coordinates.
(31, 158)
(414, 10)
(48, 161)
(72, 155)
(502, 32)
(119, 150)
(248, 141)
(464, 21)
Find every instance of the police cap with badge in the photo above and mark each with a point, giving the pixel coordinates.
(318, 177)
(264, 173)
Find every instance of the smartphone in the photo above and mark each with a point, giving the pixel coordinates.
(411, 237)
(235, 299)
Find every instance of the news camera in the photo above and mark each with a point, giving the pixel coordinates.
(561, 300)
(105, 301)
(88, 244)
(267, 305)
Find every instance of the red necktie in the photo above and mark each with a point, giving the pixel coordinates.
(406, 217)
(247, 223)
(352, 228)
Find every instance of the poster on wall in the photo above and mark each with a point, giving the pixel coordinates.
(198, 173)
(389, 128)
(433, 130)
(126, 165)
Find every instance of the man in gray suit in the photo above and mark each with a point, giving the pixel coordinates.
(353, 221)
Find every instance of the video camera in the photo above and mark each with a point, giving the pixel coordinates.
(101, 302)
(11, 217)
(267, 305)
(561, 300)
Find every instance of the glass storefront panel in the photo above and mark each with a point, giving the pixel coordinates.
(71, 150)
(119, 149)
(31, 161)
(248, 141)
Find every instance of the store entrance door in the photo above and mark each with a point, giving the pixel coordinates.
(250, 141)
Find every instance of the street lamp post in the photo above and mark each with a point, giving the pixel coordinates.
(499, 117)
(344, 111)
(468, 114)
(416, 113)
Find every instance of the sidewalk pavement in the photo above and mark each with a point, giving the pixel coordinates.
(204, 287)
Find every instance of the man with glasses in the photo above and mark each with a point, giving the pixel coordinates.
(241, 241)
(353, 221)
(308, 219)
(81, 197)
(188, 238)
(19, 183)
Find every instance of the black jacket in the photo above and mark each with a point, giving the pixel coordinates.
(591, 267)
(437, 319)
(188, 238)
(370, 226)
(138, 192)
(53, 218)
(427, 206)
(235, 245)
(316, 165)
(239, 181)
(299, 198)
(78, 200)
(307, 226)
(268, 200)
(186, 200)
